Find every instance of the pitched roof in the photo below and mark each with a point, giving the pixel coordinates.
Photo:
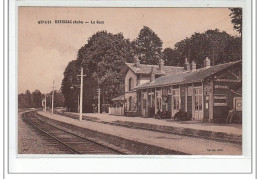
(146, 69)
(119, 98)
(187, 77)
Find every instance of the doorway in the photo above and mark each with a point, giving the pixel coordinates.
(198, 103)
(176, 101)
(151, 108)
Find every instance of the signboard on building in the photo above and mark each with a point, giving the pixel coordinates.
(220, 104)
(220, 100)
(220, 97)
(221, 87)
(238, 103)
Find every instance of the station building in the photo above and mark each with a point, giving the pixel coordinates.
(206, 94)
(137, 74)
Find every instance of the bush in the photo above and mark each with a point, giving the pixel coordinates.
(182, 116)
(162, 115)
(166, 115)
(104, 108)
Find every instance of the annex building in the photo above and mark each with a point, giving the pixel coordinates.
(206, 94)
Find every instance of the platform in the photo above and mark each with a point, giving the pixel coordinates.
(191, 145)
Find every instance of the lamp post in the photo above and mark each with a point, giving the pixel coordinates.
(80, 98)
(78, 104)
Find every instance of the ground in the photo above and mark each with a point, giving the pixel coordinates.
(31, 141)
(191, 145)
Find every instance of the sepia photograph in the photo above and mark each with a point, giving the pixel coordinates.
(129, 81)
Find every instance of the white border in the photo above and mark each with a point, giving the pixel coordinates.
(133, 164)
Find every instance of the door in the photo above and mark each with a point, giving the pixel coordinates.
(198, 103)
(169, 107)
(176, 101)
(151, 104)
(144, 107)
(158, 101)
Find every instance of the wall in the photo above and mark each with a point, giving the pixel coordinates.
(130, 74)
(189, 99)
(134, 101)
(208, 93)
(183, 97)
(222, 106)
(144, 79)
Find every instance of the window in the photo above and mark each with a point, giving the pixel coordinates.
(176, 102)
(130, 84)
(198, 99)
(159, 103)
(159, 100)
(130, 103)
(176, 99)
(176, 92)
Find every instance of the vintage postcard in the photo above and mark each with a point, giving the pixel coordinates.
(130, 81)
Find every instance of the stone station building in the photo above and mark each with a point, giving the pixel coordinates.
(206, 94)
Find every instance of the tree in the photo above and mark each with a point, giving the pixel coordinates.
(22, 103)
(169, 57)
(220, 47)
(236, 15)
(37, 99)
(105, 51)
(69, 83)
(148, 46)
(102, 58)
(58, 99)
(30, 100)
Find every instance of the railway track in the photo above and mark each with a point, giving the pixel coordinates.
(70, 141)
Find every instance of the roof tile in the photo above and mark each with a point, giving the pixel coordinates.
(187, 77)
(146, 69)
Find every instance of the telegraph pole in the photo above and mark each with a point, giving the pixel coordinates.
(98, 100)
(81, 93)
(52, 99)
(78, 102)
(45, 103)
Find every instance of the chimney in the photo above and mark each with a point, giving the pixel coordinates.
(137, 62)
(193, 66)
(187, 65)
(152, 75)
(207, 63)
(161, 65)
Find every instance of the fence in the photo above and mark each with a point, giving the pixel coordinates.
(116, 111)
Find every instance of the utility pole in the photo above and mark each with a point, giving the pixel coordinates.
(45, 103)
(81, 93)
(78, 102)
(52, 99)
(98, 100)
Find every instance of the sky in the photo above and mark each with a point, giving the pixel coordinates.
(44, 50)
